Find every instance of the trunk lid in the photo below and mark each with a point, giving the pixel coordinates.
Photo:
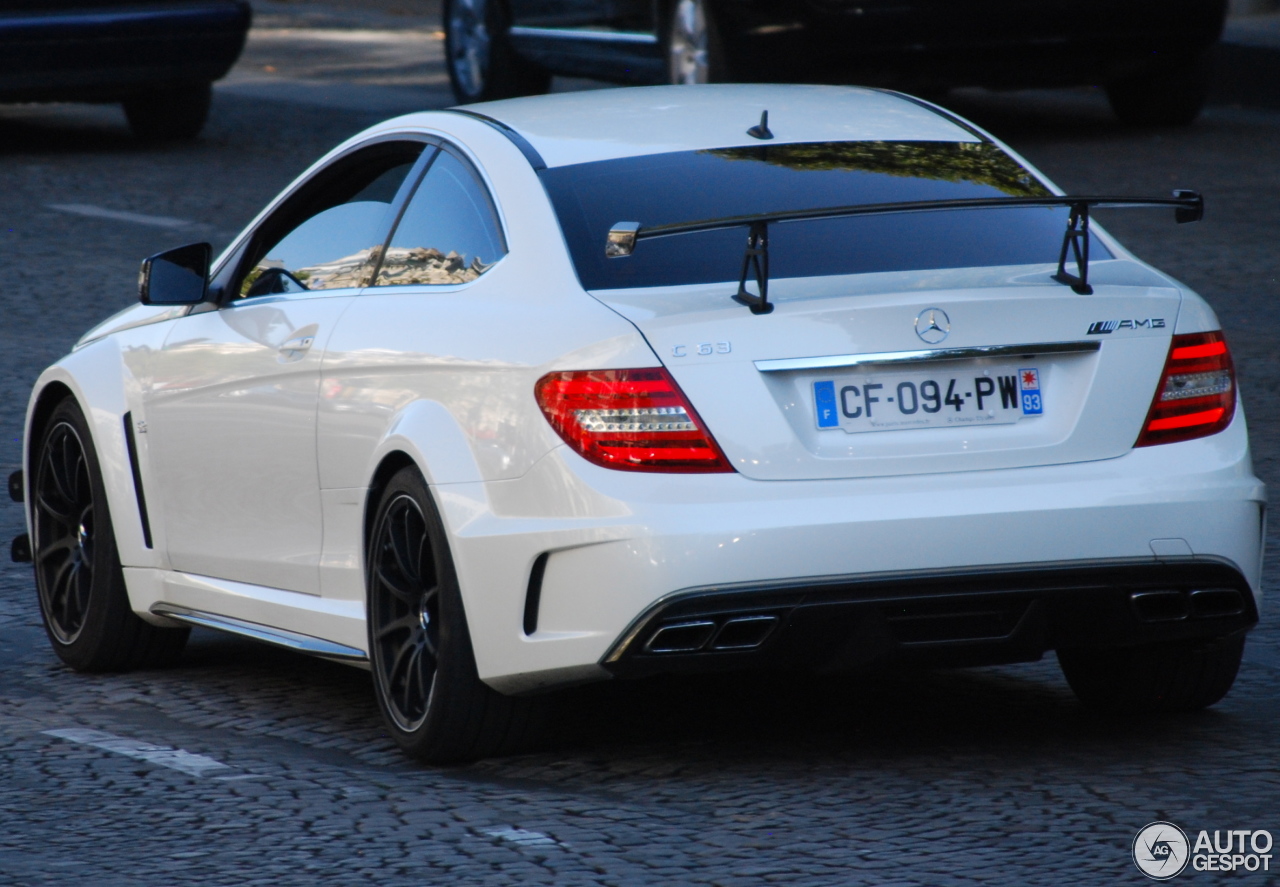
(1096, 360)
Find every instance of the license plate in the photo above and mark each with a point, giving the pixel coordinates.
(890, 400)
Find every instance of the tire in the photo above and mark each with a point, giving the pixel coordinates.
(169, 115)
(482, 64)
(83, 601)
(695, 53)
(433, 702)
(1172, 677)
(1167, 95)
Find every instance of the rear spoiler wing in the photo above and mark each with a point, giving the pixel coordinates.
(1188, 206)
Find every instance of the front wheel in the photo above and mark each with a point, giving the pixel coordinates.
(694, 51)
(433, 702)
(83, 600)
(482, 64)
(1168, 677)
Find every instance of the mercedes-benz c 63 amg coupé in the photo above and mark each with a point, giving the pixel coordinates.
(515, 396)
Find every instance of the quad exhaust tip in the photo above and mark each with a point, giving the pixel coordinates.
(735, 634)
(1175, 605)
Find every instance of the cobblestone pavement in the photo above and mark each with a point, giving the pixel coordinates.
(246, 765)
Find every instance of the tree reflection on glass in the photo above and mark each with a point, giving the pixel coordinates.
(978, 163)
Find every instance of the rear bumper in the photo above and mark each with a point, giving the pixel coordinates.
(108, 54)
(583, 556)
(974, 617)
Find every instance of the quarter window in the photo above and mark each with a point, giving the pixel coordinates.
(449, 232)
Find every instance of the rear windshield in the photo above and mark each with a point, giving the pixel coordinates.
(685, 186)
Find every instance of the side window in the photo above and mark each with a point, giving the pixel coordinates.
(330, 234)
(449, 232)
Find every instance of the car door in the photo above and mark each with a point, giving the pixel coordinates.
(231, 414)
(411, 344)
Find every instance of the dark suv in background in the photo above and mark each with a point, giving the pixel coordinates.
(1151, 55)
(158, 58)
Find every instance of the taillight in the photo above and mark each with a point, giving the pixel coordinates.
(1197, 392)
(637, 420)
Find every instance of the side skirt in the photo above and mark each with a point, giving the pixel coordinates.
(327, 627)
(278, 636)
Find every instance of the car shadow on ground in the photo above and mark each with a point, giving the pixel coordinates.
(704, 721)
(64, 129)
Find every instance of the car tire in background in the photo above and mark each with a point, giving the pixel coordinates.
(1168, 677)
(169, 115)
(433, 702)
(1171, 94)
(482, 64)
(83, 601)
(695, 53)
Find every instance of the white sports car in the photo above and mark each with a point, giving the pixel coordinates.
(606, 384)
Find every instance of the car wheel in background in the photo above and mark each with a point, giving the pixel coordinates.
(1169, 677)
(83, 600)
(694, 51)
(1164, 95)
(169, 115)
(434, 704)
(482, 63)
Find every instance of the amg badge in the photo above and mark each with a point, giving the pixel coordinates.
(1104, 327)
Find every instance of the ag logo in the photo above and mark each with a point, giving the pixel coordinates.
(1161, 851)
(933, 325)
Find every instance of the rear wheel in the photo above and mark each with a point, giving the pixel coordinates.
(1167, 95)
(694, 51)
(83, 600)
(1178, 676)
(168, 115)
(482, 63)
(432, 700)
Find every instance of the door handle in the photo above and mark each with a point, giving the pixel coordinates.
(296, 347)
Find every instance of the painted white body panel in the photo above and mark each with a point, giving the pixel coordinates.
(765, 421)
(444, 376)
(576, 127)
(620, 542)
(232, 424)
(341, 622)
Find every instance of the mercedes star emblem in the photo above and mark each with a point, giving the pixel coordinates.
(933, 325)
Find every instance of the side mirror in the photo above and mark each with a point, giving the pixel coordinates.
(178, 276)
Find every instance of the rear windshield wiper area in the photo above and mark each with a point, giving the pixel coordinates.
(624, 237)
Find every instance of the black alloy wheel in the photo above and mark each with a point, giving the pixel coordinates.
(83, 599)
(1176, 676)
(65, 537)
(404, 612)
(482, 64)
(433, 702)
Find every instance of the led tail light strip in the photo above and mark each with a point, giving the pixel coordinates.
(1196, 396)
(634, 420)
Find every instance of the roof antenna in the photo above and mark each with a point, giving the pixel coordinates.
(761, 131)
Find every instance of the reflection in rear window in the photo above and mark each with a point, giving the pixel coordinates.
(686, 186)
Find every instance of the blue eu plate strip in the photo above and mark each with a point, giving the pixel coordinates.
(824, 397)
